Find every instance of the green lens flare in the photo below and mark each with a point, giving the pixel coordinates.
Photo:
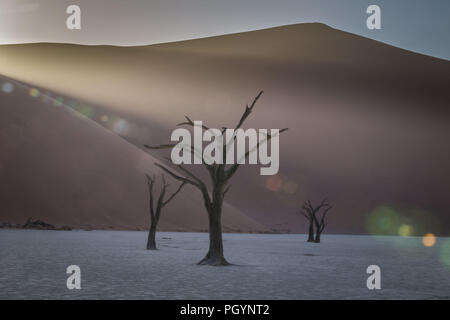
(445, 253)
(383, 220)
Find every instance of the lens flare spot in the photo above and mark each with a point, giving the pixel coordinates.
(445, 253)
(7, 87)
(73, 104)
(383, 220)
(34, 92)
(47, 97)
(405, 230)
(120, 127)
(429, 240)
(58, 101)
(290, 187)
(273, 183)
(87, 111)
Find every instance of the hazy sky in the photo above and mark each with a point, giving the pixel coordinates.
(417, 25)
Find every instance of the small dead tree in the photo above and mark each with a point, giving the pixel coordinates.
(155, 208)
(311, 213)
(307, 213)
(220, 175)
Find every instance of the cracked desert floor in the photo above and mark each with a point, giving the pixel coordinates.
(115, 265)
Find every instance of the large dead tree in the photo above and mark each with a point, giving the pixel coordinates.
(312, 213)
(213, 197)
(155, 208)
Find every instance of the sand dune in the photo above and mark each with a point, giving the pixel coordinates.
(61, 167)
(368, 122)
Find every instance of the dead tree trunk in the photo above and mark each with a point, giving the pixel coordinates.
(151, 241)
(311, 213)
(215, 252)
(308, 215)
(311, 232)
(320, 225)
(155, 209)
(220, 175)
(317, 238)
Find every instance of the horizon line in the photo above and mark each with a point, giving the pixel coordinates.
(216, 36)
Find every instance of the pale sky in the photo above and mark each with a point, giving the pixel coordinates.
(417, 25)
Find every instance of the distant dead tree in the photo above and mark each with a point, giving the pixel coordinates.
(307, 213)
(311, 213)
(220, 175)
(155, 208)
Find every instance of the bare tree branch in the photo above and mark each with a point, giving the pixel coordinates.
(226, 190)
(189, 122)
(163, 146)
(174, 194)
(150, 182)
(322, 220)
(195, 182)
(175, 176)
(232, 170)
(307, 216)
(248, 110)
